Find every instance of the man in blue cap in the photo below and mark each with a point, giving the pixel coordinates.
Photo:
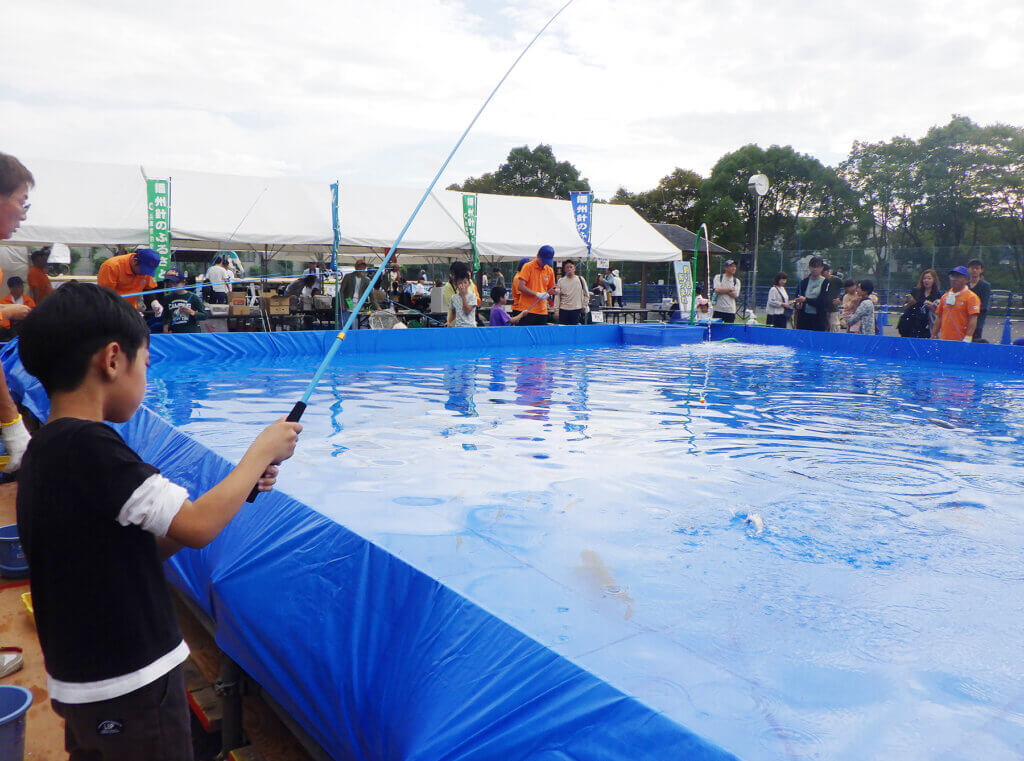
(957, 312)
(536, 285)
(132, 273)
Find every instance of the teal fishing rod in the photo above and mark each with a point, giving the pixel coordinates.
(300, 406)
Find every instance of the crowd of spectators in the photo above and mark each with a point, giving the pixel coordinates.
(827, 302)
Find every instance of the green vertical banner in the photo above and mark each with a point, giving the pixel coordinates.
(469, 221)
(158, 205)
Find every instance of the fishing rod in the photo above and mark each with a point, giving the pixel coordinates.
(296, 413)
(184, 287)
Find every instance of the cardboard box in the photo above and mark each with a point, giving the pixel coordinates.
(283, 309)
(277, 301)
(239, 310)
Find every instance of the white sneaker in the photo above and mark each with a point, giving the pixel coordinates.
(10, 660)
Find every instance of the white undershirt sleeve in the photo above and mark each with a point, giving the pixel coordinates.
(153, 505)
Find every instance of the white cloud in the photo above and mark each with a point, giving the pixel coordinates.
(379, 92)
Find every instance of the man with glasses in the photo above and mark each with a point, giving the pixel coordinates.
(15, 183)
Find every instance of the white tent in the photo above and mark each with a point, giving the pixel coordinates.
(105, 205)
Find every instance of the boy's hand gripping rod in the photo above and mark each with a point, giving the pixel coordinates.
(300, 407)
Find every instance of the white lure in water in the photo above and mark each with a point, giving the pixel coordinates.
(755, 521)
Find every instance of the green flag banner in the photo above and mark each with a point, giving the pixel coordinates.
(469, 220)
(158, 204)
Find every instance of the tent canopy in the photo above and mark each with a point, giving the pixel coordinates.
(85, 204)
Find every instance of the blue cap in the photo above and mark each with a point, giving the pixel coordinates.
(546, 254)
(14, 281)
(147, 260)
(961, 270)
(522, 263)
(174, 276)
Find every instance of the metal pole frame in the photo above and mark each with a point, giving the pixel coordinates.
(752, 290)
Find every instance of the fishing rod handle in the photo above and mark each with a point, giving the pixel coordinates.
(293, 417)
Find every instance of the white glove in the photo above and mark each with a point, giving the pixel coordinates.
(16, 438)
(543, 296)
(158, 308)
(967, 339)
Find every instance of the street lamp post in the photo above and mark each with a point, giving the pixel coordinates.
(758, 187)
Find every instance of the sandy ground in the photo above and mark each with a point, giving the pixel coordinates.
(45, 730)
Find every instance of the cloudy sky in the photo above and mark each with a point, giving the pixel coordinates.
(379, 92)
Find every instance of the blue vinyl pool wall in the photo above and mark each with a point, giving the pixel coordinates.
(378, 660)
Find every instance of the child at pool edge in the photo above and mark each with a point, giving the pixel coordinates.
(463, 303)
(95, 536)
(499, 317)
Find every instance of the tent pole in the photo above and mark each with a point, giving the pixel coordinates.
(643, 285)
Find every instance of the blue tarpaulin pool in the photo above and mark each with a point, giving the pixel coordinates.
(540, 543)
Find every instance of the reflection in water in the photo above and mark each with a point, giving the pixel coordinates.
(460, 382)
(533, 388)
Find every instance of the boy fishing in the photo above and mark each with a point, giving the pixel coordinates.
(96, 521)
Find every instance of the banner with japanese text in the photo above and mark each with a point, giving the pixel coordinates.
(336, 224)
(158, 206)
(581, 206)
(684, 288)
(469, 220)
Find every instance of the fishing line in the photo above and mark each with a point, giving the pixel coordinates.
(296, 414)
(707, 295)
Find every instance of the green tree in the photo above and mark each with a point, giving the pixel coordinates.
(673, 201)
(528, 173)
(801, 188)
(885, 175)
(952, 160)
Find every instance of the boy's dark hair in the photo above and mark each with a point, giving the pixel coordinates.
(976, 263)
(60, 336)
(780, 276)
(13, 175)
(867, 286)
(849, 283)
(458, 271)
(569, 261)
(816, 261)
(497, 293)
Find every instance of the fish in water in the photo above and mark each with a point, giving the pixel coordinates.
(942, 423)
(756, 522)
(596, 572)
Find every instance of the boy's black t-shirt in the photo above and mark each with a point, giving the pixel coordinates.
(102, 605)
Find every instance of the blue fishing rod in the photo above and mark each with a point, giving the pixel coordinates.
(300, 406)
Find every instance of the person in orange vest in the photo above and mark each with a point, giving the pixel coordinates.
(132, 273)
(957, 312)
(15, 183)
(39, 286)
(535, 283)
(16, 286)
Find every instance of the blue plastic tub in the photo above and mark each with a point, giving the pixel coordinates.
(13, 563)
(14, 703)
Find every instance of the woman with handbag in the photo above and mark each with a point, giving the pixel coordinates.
(919, 313)
(780, 308)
